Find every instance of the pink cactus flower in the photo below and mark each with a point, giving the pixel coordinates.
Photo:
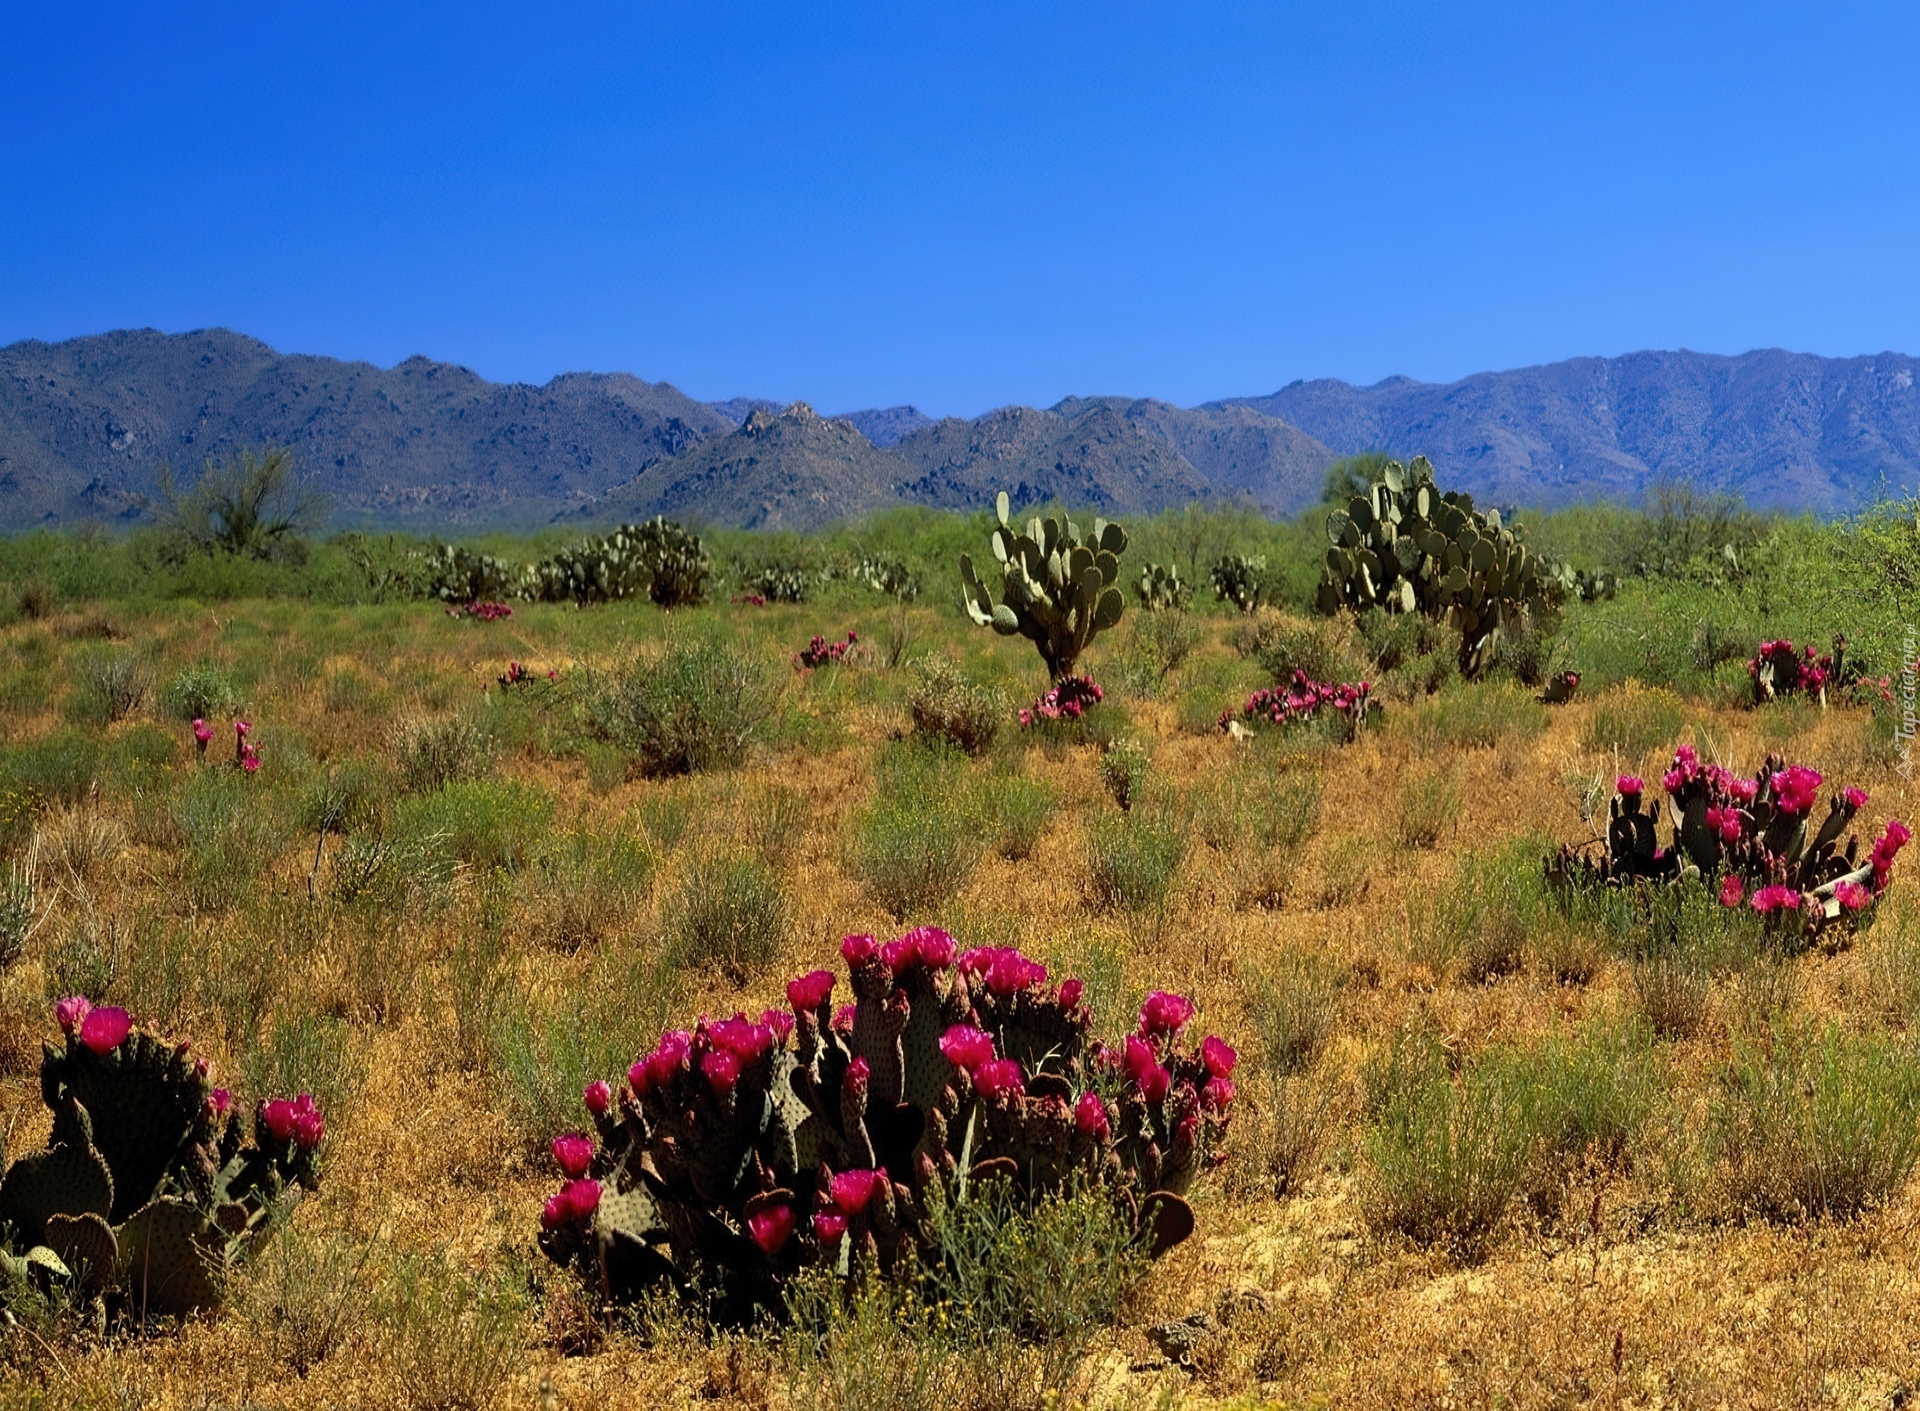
(582, 1199)
(1851, 895)
(1768, 900)
(553, 1215)
(219, 1103)
(1090, 1116)
(898, 955)
(1137, 1057)
(1856, 798)
(975, 961)
(998, 1078)
(1071, 991)
(934, 947)
(850, 1191)
(71, 1012)
(202, 733)
(843, 1018)
(809, 991)
(574, 1153)
(770, 1227)
(1732, 890)
(722, 1070)
(966, 1047)
(308, 1127)
(1165, 1013)
(828, 1227)
(243, 728)
(1217, 1095)
(777, 1022)
(1155, 1083)
(858, 950)
(1795, 788)
(105, 1028)
(277, 1117)
(1218, 1056)
(1673, 781)
(859, 1074)
(744, 1040)
(1632, 785)
(598, 1097)
(250, 763)
(1012, 972)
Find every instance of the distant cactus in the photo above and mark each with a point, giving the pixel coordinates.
(821, 652)
(1404, 546)
(1302, 699)
(455, 574)
(1241, 581)
(1778, 669)
(1161, 589)
(741, 1152)
(1056, 590)
(145, 1195)
(1752, 840)
(676, 559)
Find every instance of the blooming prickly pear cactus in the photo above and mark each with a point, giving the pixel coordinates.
(741, 1151)
(1302, 699)
(1777, 669)
(1057, 590)
(1753, 839)
(145, 1193)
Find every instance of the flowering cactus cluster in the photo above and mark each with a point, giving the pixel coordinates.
(1561, 688)
(518, 673)
(742, 1151)
(245, 756)
(486, 612)
(1754, 840)
(148, 1190)
(821, 652)
(1066, 699)
(1301, 700)
(1778, 669)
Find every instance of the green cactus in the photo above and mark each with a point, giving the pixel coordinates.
(1405, 546)
(1057, 590)
(676, 559)
(455, 574)
(1241, 581)
(1161, 589)
(777, 583)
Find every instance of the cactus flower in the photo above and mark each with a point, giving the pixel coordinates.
(1732, 890)
(582, 1198)
(1165, 1013)
(998, 1078)
(771, 1227)
(722, 1070)
(1136, 1057)
(555, 1212)
(1795, 788)
(843, 1018)
(243, 728)
(219, 1103)
(744, 1040)
(1070, 992)
(1155, 1083)
(850, 1191)
(934, 946)
(1090, 1115)
(277, 1117)
(777, 1022)
(1217, 1095)
(1632, 785)
(574, 1153)
(1768, 900)
(898, 955)
(71, 1012)
(598, 1097)
(105, 1028)
(308, 1126)
(1856, 798)
(1851, 895)
(250, 763)
(858, 1076)
(202, 733)
(858, 950)
(1218, 1055)
(808, 992)
(1012, 972)
(829, 1227)
(966, 1047)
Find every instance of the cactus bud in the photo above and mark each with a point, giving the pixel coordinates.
(574, 1154)
(71, 1012)
(598, 1097)
(770, 1228)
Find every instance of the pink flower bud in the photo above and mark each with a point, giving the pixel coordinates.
(1218, 1055)
(105, 1028)
(1090, 1115)
(308, 1128)
(1071, 991)
(843, 1018)
(829, 1227)
(598, 1097)
(777, 1022)
(582, 1199)
(770, 1227)
(1137, 1057)
(858, 950)
(278, 1118)
(1165, 1013)
(71, 1012)
(555, 1212)
(1217, 1094)
(966, 1047)
(998, 1078)
(1732, 891)
(1155, 1083)
(574, 1153)
(219, 1103)
(810, 991)
(858, 1076)
(1856, 798)
(851, 1190)
(1632, 785)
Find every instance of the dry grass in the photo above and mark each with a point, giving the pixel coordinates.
(413, 1279)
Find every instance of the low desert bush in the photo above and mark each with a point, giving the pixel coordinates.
(58, 768)
(1476, 925)
(1633, 721)
(728, 912)
(585, 885)
(450, 1339)
(1133, 857)
(700, 705)
(430, 753)
(1293, 1006)
(109, 684)
(1429, 808)
(919, 840)
(1476, 717)
(307, 1052)
(1016, 809)
(202, 691)
(307, 1297)
(486, 823)
(948, 705)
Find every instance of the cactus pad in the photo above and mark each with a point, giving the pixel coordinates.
(62, 1180)
(170, 1259)
(87, 1246)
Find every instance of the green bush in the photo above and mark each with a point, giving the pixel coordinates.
(586, 885)
(431, 754)
(109, 685)
(1124, 767)
(1634, 721)
(1476, 717)
(948, 706)
(202, 691)
(1429, 808)
(701, 705)
(730, 912)
(1477, 924)
(231, 831)
(1133, 857)
(917, 843)
(306, 1052)
(60, 768)
(1017, 809)
(486, 823)
(1293, 1006)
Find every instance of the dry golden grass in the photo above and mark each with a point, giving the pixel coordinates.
(1632, 1298)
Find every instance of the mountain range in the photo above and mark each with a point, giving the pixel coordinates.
(85, 423)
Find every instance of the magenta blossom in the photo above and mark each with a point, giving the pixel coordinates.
(1768, 900)
(1795, 788)
(933, 946)
(778, 1022)
(1012, 972)
(308, 1125)
(1155, 1083)
(1217, 1095)
(1218, 1055)
(898, 955)
(843, 1018)
(1090, 1115)
(851, 1190)
(1732, 890)
(1136, 1057)
(810, 990)
(105, 1028)
(1851, 895)
(1070, 992)
(859, 1074)
(71, 1012)
(829, 1227)
(1856, 798)
(722, 1070)
(278, 1117)
(574, 1153)
(745, 1041)
(598, 1097)
(998, 1078)
(858, 950)
(1165, 1013)
(966, 1047)
(770, 1227)
(219, 1103)
(582, 1198)
(1632, 785)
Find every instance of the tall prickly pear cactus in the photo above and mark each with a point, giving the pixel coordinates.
(1056, 589)
(675, 558)
(1405, 546)
(597, 570)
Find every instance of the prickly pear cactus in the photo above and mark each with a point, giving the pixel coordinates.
(741, 1151)
(1162, 589)
(147, 1192)
(1056, 589)
(1240, 580)
(455, 574)
(1405, 546)
(596, 570)
(675, 558)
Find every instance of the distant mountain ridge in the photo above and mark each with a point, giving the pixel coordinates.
(84, 424)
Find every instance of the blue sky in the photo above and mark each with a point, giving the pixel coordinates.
(970, 205)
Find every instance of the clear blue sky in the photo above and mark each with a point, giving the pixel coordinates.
(968, 205)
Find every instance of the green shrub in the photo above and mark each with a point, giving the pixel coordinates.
(1477, 924)
(1346, 871)
(1586, 1094)
(919, 840)
(1155, 646)
(1133, 857)
(486, 823)
(949, 706)
(1123, 771)
(1476, 717)
(700, 705)
(231, 831)
(1293, 1006)
(449, 1339)
(1017, 809)
(60, 768)
(202, 691)
(431, 754)
(729, 911)
(586, 885)
(1412, 652)
(1325, 651)
(1634, 721)
(110, 683)
(1810, 1125)
(774, 821)
(1429, 808)
(306, 1052)
(307, 1297)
